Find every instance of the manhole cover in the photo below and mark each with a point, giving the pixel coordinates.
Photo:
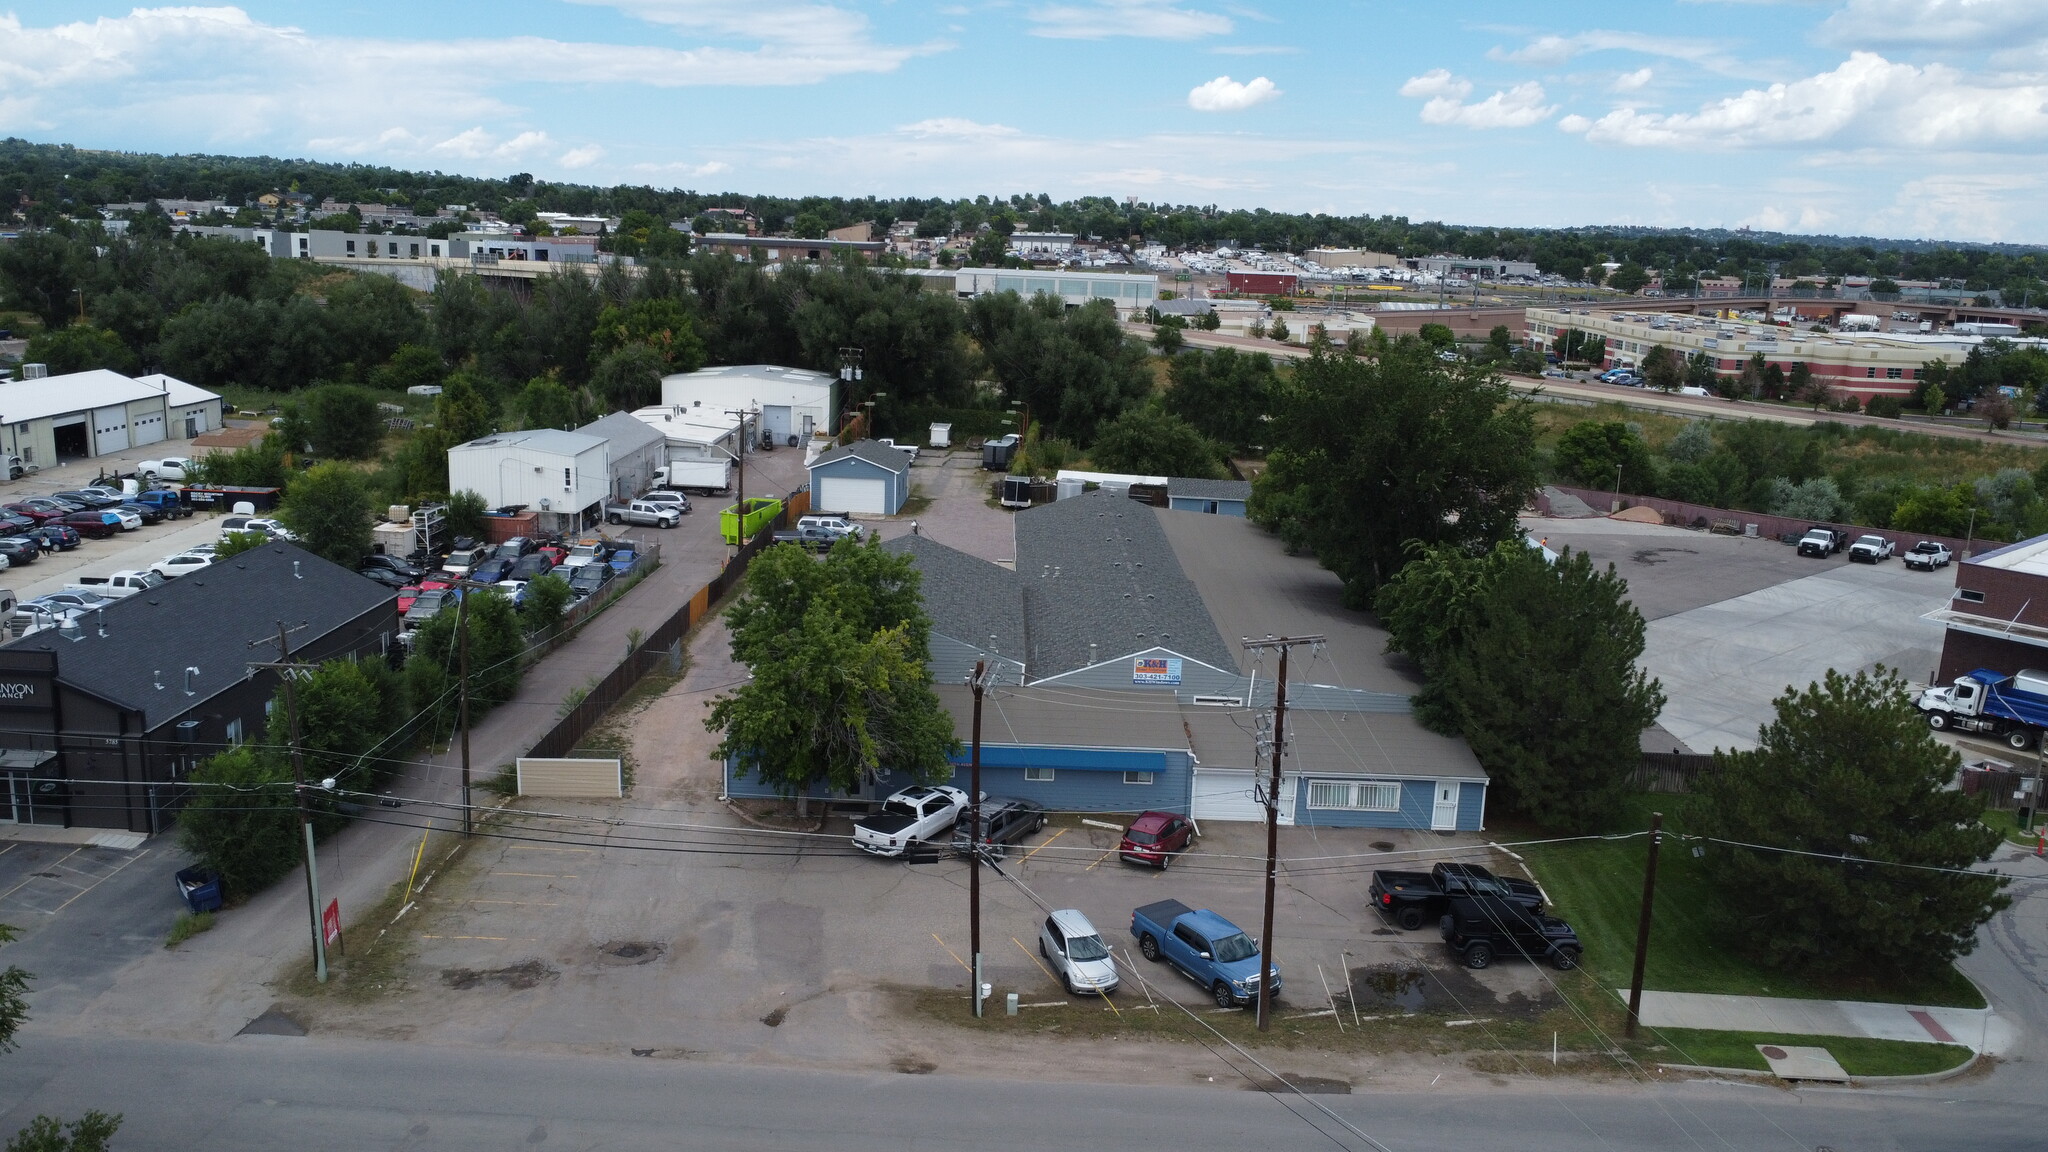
(1773, 1051)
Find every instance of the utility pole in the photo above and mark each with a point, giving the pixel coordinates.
(739, 508)
(978, 683)
(1635, 983)
(287, 671)
(1285, 644)
(462, 693)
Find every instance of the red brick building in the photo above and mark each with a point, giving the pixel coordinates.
(1263, 283)
(1998, 618)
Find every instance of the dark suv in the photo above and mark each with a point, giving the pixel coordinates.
(1003, 821)
(1479, 928)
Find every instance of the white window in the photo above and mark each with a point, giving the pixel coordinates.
(1038, 775)
(1357, 795)
(235, 730)
(1137, 777)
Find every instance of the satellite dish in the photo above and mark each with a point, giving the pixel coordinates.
(544, 504)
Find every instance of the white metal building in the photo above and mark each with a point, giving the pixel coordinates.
(632, 452)
(697, 433)
(795, 404)
(85, 414)
(564, 476)
(1129, 291)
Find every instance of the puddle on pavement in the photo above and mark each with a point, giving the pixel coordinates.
(523, 975)
(1437, 991)
(626, 952)
(774, 1019)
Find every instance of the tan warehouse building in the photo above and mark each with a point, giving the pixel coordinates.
(1856, 364)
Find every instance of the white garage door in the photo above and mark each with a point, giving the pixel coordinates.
(846, 494)
(109, 430)
(1226, 794)
(148, 429)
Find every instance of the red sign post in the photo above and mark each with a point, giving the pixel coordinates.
(330, 921)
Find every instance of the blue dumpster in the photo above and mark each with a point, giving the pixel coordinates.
(200, 889)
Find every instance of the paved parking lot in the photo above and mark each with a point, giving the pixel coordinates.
(1733, 622)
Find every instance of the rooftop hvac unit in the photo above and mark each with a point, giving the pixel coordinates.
(34, 371)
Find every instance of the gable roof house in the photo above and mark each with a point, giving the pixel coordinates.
(99, 724)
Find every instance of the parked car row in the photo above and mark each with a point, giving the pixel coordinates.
(1823, 540)
(62, 521)
(1481, 916)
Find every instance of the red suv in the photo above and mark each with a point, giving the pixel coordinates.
(1155, 837)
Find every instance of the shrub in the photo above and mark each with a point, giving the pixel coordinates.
(1888, 407)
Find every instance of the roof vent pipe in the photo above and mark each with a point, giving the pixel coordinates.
(157, 678)
(295, 571)
(190, 672)
(100, 617)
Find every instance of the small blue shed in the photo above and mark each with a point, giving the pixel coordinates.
(1220, 497)
(866, 477)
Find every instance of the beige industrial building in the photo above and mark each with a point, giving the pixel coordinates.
(79, 415)
(1350, 258)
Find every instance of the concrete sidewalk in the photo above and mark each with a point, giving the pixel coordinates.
(1978, 1029)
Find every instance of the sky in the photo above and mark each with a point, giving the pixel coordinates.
(1895, 118)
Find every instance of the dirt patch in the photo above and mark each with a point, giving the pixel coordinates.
(1313, 1085)
(1383, 845)
(523, 975)
(661, 1053)
(913, 1065)
(1413, 988)
(1660, 555)
(774, 1019)
(627, 953)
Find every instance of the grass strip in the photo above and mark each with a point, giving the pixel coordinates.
(1858, 1056)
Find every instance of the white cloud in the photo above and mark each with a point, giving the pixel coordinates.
(1226, 95)
(1770, 218)
(246, 80)
(1552, 50)
(1633, 81)
(1147, 19)
(1935, 23)
(1443, 93)
(1435, 83)
(1868, 99)
(582, 157)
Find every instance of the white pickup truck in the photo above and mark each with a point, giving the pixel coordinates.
(1870, 549)
(911, 449)
(118, 586)
(917, 815)
(1929, 555)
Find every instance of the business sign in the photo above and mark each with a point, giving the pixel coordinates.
(330, 921)
(16, 690)
(1155, 670)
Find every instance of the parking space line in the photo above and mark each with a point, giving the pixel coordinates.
(539, 875)
(954, 955)
(25, 883)
(1041, 847)
(1100, 859)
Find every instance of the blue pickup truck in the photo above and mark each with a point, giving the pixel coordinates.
(1205, 947)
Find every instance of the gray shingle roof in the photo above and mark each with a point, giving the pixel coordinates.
(1208, 489)
(207, 620)
(1068, 717)
(873, 451)
(628, 432)
(1097, 568)
(1337, 743)
(967, 598)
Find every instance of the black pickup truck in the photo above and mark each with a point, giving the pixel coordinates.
(1412, 899)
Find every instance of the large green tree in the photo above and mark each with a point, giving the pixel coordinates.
(79, 348)
(343, 421)
(1848, 772)
(1149, 441)
(1225, 394)
(1590, 454)
(1076, 369)
(92, 1132)
(1533, 662)
(330, 507)
(496, 649)
(1370, 453)
(839, 689)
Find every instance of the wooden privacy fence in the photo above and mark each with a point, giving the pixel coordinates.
(1672, 771)
(654, 647)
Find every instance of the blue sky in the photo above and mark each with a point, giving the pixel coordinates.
(1910, 118)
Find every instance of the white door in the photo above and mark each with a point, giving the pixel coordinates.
(109, 430)
(849, 494)
(1444, 818)
(149, 429)
(1227, 794)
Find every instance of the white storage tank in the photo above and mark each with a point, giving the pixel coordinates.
(1072, 486)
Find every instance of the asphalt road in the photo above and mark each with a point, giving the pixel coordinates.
(266, 1092)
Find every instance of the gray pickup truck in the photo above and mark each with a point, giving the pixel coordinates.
(647, 512)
